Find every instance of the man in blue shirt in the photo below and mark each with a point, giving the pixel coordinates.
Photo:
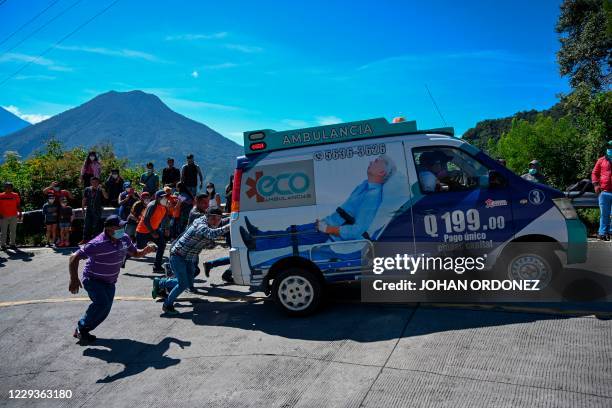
(149, 180)
(350, 221)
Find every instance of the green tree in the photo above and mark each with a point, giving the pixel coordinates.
(555, 143)
(586, 42)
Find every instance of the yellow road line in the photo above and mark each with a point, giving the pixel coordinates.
(249, 299)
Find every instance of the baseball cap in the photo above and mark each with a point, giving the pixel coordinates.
(534, 163)
(114, 221)
(160, 194)
(145, 194)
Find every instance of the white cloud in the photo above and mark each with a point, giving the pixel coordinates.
(295, 123)
(223, 65)
(195, 74)
(123, 53)
(45, 62)
(191, 104)
(33, 118)
(193, 37)
(34, 77)
(328, 120)
(249, 49)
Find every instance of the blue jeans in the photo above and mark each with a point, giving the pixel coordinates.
(306, 234)
(141, 242)
(101, 295)
(183, 278)
(605, 206)
(193, 190)
(224, 260)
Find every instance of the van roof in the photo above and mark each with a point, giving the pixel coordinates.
(268, 140)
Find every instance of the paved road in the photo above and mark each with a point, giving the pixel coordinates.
(231, 349)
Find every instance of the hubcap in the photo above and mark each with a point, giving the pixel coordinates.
(295, 293)
(529, 267)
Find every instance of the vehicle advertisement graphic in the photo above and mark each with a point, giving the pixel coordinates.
(279, 186)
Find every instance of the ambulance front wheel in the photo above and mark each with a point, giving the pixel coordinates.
(297, 292)
(531, 264)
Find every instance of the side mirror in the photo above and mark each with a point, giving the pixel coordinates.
(496, 180)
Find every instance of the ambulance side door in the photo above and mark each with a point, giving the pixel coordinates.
(463, 207)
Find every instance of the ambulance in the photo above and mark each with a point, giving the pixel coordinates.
(312, 206)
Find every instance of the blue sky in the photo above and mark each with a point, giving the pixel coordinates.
(245, 65)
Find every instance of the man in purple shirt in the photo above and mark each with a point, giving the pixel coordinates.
(105, 254)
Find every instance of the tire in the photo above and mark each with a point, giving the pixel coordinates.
(297, 292)
(523, 263)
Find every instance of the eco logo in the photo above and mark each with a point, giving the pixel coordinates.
(285, 184)
(280, 185)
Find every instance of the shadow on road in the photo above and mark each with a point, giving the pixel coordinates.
(135, 356)
(15, 255)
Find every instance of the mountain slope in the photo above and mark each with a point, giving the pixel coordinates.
(493, 128)
(140, 127)
(10, 123)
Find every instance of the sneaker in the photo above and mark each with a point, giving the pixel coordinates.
(227, 276)
(155, 291)
(13, 247)
(83, 336)
(602, 237)
(169, 310)
(158, 269)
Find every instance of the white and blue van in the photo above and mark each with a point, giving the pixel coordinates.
(310, 205)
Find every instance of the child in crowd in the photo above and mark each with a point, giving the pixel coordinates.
(50, 213)
(65, 222)
(136, 213)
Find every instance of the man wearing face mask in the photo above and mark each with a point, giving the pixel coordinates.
(602, 181)
(150, 228)
(114, 187)
(93, 197)
(184, 256)
(105, 254)
(533, 174)
(190, 173)
(149, 180)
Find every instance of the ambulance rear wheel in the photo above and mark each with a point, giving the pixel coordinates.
(297, 292)
(530, 265)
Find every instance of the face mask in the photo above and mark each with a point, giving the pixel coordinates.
(210, 190)
(533, 172)
(114, 176)
(149, 171)
(51, 201)
(64, 204)
(609, 152)
(92, 157)
(117, 234)
(56, 188)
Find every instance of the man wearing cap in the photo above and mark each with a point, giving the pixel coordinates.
(533, 174)
(105, 254)
(602, 181)
(190, 173)
(150, 228)
(184, 256)
(10, 212)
